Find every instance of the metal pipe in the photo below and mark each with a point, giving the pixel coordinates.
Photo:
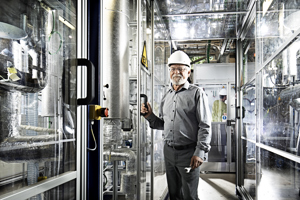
(123, 154)
(37, 129)
(116, 54)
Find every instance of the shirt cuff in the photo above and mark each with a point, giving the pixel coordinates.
(151, 117)
(201, 154)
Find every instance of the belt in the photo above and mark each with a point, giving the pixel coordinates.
(183, 146)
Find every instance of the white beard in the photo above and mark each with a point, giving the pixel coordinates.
(177, 79)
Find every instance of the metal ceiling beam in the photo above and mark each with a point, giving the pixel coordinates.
(200, 54)
(195, 40)
(223, 47)
(248, 20)
(207, 13)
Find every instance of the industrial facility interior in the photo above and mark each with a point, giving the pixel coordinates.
(74, 73)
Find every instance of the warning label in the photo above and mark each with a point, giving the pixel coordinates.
(144, 57)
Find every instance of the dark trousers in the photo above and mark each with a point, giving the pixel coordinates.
(181, 185)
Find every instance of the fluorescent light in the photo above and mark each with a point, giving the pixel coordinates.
(68, 24)
(266, 6)
(174, 45)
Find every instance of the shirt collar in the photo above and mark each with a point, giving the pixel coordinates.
(185, 86)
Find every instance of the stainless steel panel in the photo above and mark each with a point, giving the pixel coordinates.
(202, 19)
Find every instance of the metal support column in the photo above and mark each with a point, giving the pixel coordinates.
(115, 180)
(152, 97)
(239, 122)
(138, 150)
(82, 110)
(101, 100)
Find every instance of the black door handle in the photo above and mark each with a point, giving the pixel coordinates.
(90, 81)
(237, 112)
(144, 100)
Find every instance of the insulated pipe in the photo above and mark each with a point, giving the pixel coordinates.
(128, 178)
(37, 129)
(116, 57)
(30, 140)
(14, 147)
(20, 149)
(123, 154)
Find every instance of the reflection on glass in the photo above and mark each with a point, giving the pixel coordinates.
(280, 107)
(161, 80)
(275, 26)
(278, 177)
(249, 106)
(249, 134)
(249, 167)
(248, 70)
(37, 92)
(218, 151)
(65, 191)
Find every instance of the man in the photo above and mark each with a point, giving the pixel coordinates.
(219, 107)
(185, 118)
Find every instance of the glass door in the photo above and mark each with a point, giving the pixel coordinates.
(217, 81)
(38, 97)
(221, 157)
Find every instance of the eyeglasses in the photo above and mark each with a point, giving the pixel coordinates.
(180, 69)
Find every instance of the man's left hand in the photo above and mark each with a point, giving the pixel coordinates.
(196, 162)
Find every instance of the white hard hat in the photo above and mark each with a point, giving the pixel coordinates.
(223, 91)
(179, 57)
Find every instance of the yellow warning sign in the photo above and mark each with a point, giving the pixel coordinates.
(144, 56)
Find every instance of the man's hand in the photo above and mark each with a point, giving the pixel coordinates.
(196, 162)
(145, 110)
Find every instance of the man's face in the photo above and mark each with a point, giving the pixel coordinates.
(179, 74)
(224, 98)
